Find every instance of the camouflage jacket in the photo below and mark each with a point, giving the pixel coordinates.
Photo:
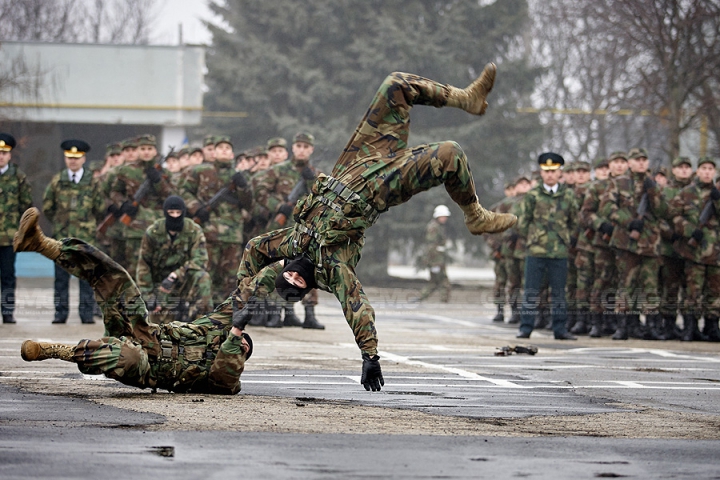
(227, 218)
(548, 221)
(435, 245)
(619, 206)
(198, 357)
(160, 255)
(674, 187)
(496, 240)
(514, 246)
(105, 181)
(685, 209)
(272, 186)
(589, 218)
(15, 198)
(126, 181)
(584, 237)
(74, 209)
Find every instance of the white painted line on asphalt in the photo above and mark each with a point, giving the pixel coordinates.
(628, 383)
(456, 371)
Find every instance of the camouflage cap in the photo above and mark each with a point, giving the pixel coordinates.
(172, 154)
(276, 142)
(209, 140)
(637, 153)
(508, 185)
(550, 161)
(601, 162)
(222, 139)
(304, 137)
(680, 161)
(113, 149)
(96, 165)
(131, 142)
(147, 139)
(7, 142)
(662, 171)
(521, 178)
(617, 156)
(582, 165)
(570, 167)
(195, 149)
(709, 160)
(184, 151)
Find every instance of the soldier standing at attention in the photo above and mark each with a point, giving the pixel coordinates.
(222, 221)
(277, 150)
(435, 257)
(513, 249)
(495, 242)
(74, 204)
(208, 148)
(699, 245)
(15, 198)
(579, 283)
(172, 267)
(547, 220)
(138, 191)
(634, 204)
(672, 280)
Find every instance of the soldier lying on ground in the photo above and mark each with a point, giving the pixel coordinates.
(205, 356)
(376, 171)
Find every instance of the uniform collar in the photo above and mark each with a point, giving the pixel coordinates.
(78, 174)
(551, 190)
(4, 169)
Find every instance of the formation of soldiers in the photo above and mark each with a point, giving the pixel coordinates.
(177, 224)
(635, 246)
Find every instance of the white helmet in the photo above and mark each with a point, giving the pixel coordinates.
(441, 211)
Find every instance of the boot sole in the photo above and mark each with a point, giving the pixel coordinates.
(26, 354)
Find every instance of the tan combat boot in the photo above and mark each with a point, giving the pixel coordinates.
(33, 351)
(29, 237)
(472, 98)
(478, 220)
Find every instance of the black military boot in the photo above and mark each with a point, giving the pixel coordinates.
(515, 317)
(609, 322)
(710, 329)
(310, 320)
(542, 320)
(635, 329)
(596, 320)
(690, 331)
(8, 318)
(653, 329)
(291, 320)
(622, 327)
(273, 320)
(669, 327)
(572, 318)
(500, 317)
(581, 325)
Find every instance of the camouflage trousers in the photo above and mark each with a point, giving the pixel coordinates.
(132, 254)
(602, 297)
(516, 276)
(224, 258)
(585, 266)
(438, 281)
(703, 289)
(383, 171)
(673, 284)
(188, 299)
(637, 283)
(501, 281)
(129, 339)
(571, 283)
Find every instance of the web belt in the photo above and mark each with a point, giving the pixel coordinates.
(342, 191)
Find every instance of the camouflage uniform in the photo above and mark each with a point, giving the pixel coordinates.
(376, 171)
(74, 210)
(496, 242)
(198, 357)
(636, 260)
(580, 270)
(125, 182)
(224, 229)
(435, 259)
(15, 198)
(702, 258)
(547, 222)
(513, 248)
(185, 255)
(113, 240)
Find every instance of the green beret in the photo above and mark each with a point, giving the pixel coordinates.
(680, 161)
(709, 160)
(304, 137)
(637, 153)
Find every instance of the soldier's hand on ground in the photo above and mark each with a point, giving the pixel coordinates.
(128, 209)
(715, 194)
(698, 235)
(202, 214)
(371, 377)
(648, 183)
(153, 174)
(307, 173)
(239, 180)
(606, 229)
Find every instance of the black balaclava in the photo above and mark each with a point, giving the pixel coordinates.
(306, 269)
(174, 202)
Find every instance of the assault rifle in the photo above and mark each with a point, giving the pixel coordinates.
(640, 214)
(125, 218)
(705, 215)
(217, 198)
(298, 191)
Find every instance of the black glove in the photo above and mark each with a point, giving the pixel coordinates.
(239, 180)
(115, 210)
(153, 174)
(698, 235)
(129, 209)
(573, 241)
(715, 194)
(202, 214)
(286, 209)
(648, 183)
(307, 173)
(240, 318)
(606, 228)
(152, 302)
(371, 377)
(636, 225)
(167, 283)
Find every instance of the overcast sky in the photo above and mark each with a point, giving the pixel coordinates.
(189, 13)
